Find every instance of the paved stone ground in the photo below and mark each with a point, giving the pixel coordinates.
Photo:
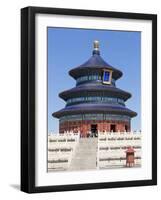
(85, 155)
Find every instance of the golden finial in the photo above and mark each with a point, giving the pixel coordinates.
(96, 45)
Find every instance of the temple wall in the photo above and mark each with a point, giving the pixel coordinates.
(84, 126)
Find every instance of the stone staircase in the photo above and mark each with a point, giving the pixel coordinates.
(85, 155)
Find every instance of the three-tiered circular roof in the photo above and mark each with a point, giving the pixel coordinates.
(93, 65)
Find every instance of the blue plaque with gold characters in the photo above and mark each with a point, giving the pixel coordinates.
(107, 76)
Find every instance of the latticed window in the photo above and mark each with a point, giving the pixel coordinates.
(95, 117)
(96, 99)
(92, 77)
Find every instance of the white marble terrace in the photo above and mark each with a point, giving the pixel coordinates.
(108, 150)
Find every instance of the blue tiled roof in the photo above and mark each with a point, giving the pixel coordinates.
(94, 88)
(94, 108)
(95, 62)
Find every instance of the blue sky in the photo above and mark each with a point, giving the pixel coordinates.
(69, 48)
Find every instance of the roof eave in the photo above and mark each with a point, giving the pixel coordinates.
(64, 112)
(68, 93)
(79, 71)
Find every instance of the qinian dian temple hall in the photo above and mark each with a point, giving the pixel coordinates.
(95, 124)
(95, 104)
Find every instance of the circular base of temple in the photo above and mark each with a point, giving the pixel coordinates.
(90, 128)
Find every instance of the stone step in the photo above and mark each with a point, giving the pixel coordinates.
(87, 150)
(77, 165)
(84, 160)
(85, 154)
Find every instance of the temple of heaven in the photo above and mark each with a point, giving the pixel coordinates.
(95, 103)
